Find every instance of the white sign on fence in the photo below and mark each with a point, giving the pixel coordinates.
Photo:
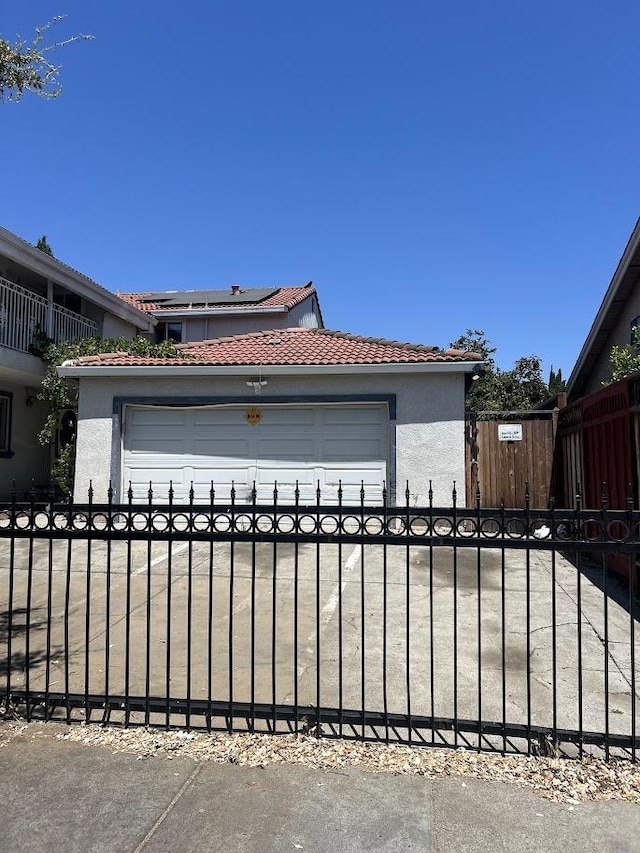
(509, 432)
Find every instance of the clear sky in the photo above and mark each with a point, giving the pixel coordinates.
(431, 166)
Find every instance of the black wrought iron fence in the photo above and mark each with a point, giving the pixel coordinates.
(458, 626)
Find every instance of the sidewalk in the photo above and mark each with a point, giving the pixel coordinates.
(59, 795)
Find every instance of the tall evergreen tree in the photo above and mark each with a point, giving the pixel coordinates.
(44, 246)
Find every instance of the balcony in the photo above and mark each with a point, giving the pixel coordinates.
(23, 313)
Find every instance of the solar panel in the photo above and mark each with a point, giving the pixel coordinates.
(201, 298)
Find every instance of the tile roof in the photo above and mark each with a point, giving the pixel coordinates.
(287, 297)
(299, 346)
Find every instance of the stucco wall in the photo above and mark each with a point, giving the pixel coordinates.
(30, 461)
(429, 434)
(114, 327)
(221, 325)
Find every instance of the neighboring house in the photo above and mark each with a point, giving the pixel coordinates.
(197, 315)
(302, 405)
(41, 296)
(598, 438)
(613, 324)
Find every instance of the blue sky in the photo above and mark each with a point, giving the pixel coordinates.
(431, 166)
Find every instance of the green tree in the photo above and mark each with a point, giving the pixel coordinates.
(27, 67)
(43, 245)
(556, 383)
(518, 389)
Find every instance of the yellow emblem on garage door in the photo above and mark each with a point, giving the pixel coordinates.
(253, 416)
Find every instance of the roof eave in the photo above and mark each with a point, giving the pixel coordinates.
(98, 371)
(166, 313)
(20, 252)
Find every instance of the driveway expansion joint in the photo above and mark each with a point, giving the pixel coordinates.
(165, 814)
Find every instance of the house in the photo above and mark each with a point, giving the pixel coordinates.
(43, 298)
(299, 405)
(185, 316)
(598, 440)
(613, 325)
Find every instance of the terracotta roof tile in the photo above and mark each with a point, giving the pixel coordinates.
(291, 346)
(287, 297)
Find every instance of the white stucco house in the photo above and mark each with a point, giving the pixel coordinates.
(40, 297)
(300, 404)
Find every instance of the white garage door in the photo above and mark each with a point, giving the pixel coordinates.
(310, 444)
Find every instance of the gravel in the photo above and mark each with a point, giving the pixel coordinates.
(560, 779)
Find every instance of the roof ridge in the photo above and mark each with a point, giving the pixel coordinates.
(390, 342)
(225, 339)
(450, 351)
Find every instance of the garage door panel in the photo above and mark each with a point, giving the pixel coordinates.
(223, 481)
(352, 416)
(157, 417)
(229, 448)
(284, 476)
(157, 445)
(284, 448)
(353, 475)
(287, 418)
(361, 451)
(161, 480)
(217, 417)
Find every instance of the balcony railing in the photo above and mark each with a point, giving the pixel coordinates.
(23, 313)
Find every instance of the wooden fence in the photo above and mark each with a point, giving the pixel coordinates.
(597, 448)
(507, 451)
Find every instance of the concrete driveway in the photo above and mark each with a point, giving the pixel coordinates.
(326, 607)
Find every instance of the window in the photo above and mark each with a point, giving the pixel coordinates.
(169, 332)
(6, 400)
